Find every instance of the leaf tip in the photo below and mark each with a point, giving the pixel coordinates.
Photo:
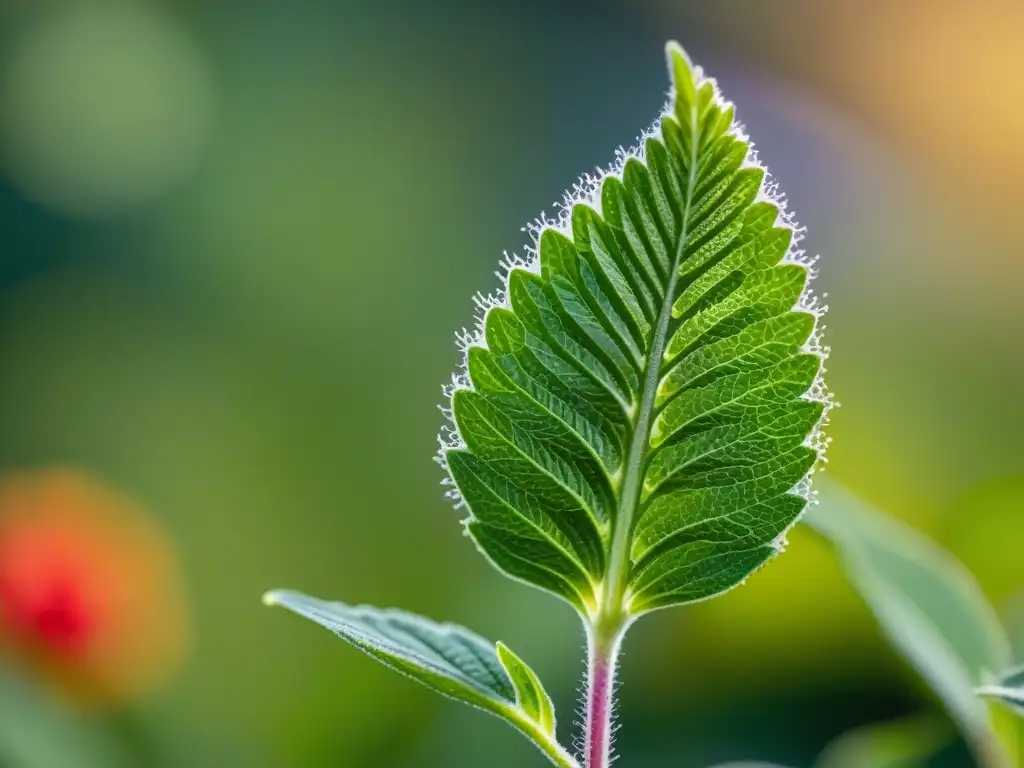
(273, 598)
(674, 50)
(680, 67)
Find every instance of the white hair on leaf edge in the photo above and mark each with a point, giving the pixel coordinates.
(587, 191)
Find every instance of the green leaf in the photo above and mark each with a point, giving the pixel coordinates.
(447, 658)
(531, 697)
(1008, 689)
(640, 406)
(929, 605)
(905, 743)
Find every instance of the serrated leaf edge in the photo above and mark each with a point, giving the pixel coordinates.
(587, 191)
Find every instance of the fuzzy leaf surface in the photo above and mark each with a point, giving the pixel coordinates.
(928, 604)
(639, 406)
(446, 658)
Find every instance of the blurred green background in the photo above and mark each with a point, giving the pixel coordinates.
(236, 239)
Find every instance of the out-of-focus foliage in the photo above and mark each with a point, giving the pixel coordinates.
(1008, 688)
(905, 743)
(38, 732)
(930, 607)
(202, 341)
(153, 120)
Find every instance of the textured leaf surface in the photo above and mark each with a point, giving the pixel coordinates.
(1008, 688)
(927, 603)
(447, 658)
(641, 402)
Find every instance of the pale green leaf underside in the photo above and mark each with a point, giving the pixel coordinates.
(927, 603)
(447, 658)
(636, 416)
(1008, 689)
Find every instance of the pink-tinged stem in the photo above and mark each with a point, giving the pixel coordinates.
(604, 651)
(599, 716)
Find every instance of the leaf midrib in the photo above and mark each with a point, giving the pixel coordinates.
(618, 569)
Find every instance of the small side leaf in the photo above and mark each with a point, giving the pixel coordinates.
(530, 694)
(447, 658)
(929, 606)
(1008, 689)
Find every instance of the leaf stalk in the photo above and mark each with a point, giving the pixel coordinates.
(547, 744)
(604, 638)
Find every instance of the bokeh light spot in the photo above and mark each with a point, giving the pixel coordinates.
(104, 108)
(90, 597)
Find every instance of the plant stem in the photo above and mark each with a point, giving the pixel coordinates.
(604, 641)
(554, 751)
(607, 627)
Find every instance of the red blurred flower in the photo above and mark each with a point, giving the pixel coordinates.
(89, 589)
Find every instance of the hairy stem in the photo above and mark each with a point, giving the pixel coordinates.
(604, 641)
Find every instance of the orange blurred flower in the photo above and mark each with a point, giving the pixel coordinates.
(89, 588)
